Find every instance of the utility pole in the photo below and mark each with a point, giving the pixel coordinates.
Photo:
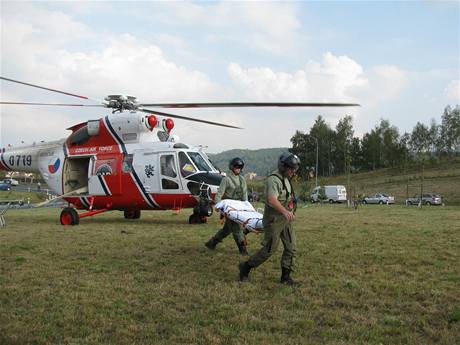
(316, 169)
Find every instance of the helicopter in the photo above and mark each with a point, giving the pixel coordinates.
(128, 160)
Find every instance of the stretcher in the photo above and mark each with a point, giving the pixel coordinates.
(6, 204)
(241, 212)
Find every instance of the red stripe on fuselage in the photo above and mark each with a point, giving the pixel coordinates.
(3, 165)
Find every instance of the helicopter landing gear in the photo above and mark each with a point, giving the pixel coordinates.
(69, 216)
(203, 210)
(132, 214)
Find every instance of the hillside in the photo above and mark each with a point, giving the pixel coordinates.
(262, 161)
(442, 178)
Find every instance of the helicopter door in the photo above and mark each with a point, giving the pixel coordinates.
(146, 169)
(169, 177)
(75, 173)
(104, 175)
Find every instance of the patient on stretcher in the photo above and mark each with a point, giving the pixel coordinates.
(241, 212)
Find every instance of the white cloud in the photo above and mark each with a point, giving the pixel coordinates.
(453, 91)
(334, 79)
(271, 26)
(127, 65)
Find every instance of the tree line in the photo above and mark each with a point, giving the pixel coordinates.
(339, 151)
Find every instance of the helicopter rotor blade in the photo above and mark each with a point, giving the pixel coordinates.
(52, 90)
(186, 118)
(56, 104)
(248, 104)
(43, 88)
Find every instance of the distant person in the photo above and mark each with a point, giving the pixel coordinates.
(277, 220)
(39, 186)
(233, 186)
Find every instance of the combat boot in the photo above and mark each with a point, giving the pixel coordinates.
(286, 277)
(242, 248)
(244, 271)
(211, 244)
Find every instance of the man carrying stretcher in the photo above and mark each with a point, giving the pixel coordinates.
(233, 186)
(277, 220)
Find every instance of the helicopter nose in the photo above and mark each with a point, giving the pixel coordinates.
(211, 179)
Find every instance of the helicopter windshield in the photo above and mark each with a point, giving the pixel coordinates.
(199, 161)
(186, 166)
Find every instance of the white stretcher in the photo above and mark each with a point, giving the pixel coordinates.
(241, 212)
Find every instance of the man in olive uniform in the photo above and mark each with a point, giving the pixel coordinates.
(277, 220)
(233, 186)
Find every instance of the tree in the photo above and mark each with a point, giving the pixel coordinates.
(304, 146)
(356, 155)
(420, 139)
(450, 131)
(301, 146)
(325, 136)
(390, 143)
(343, 140)
(371, 150)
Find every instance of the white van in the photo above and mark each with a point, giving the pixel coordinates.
(333, 194)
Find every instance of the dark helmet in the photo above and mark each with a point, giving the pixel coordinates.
(236, 163)
(288, 160)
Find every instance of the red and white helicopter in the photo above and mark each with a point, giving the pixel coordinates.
(127, 160)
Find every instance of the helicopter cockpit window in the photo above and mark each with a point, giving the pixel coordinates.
(167, 166)
(128, 163)
(199, 161)
(168, 184)
(186, 166)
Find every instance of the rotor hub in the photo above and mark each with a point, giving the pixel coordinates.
(121, 102)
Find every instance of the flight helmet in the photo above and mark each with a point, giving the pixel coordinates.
(288, 160)
(236, 163)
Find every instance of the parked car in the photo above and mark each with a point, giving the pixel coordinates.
(427, 199)
(10, 181)
(379, 198)
(5, 186)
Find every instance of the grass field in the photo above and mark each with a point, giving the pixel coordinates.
(376, 275)
(32, 197)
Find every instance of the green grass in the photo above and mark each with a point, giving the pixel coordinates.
(34, 197)
(377, 275)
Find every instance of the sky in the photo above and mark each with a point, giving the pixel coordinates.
(399, 60)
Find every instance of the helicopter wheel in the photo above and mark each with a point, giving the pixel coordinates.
(132, 214)
(69, 216)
